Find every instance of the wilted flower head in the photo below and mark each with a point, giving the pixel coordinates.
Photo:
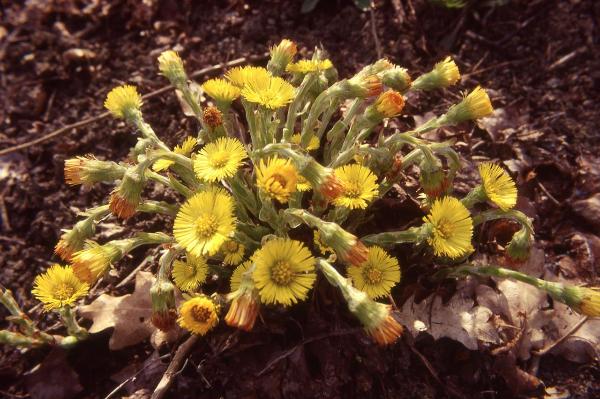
(212, 117)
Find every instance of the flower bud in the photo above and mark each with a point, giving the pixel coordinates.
(243, 310)
(281, 55)
(387, 105)
(519, 246)
(88, 170)
(397, 78)
(445, 73)
(584, 300)
(362, 87)
(125, 198)
(93, 261)
(72, 240)
(164, 313)
(322, 179)
(171, 66)
(433, 180)
(347, 247)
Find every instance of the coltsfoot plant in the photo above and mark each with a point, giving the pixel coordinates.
(272, 190)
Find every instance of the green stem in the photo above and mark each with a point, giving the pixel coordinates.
(73, 328)
(413, 234)
(292, 115)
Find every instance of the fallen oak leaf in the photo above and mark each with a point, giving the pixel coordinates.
(459, 319)
(129, 314)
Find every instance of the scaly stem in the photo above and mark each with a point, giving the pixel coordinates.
(73, 328)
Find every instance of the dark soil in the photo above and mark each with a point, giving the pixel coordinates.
(540, 60)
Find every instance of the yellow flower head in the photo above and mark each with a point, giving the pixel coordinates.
(303, 184)
(451, 228)
(590, 301)
(359, 186)
(306, 66)
(270, 92)
(198, 315)
(498, 186)
(171, 66)
(447, 71)
(239, 76)
(233, 252)
(284, 271)
(277, 178)
(377, 275)
(475, 105)
(323, 249)
(236, 276)
(123, 102)
(314, 143)
(389, 103)
(58, 287)
(219, 159)
(185, 148)
(88, 170)
(93, 261)
(189, 275)
(221, 90)
(205, 221)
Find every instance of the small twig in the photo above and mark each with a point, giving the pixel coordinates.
(121, 385)
(566, 58)
(134, 272)
(548, 193)
(548, 348)
(174, 367)
(4, 215)
(374, 32)
(87, 121)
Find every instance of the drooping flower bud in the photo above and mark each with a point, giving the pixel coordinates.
(164, 313)
(125, 198)
(281, 55)
(88, 170)
(445, 73)
(397, 78)
(171, 66)
(475, 105)
(124, 102)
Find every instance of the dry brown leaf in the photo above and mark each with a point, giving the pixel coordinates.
(581, 346)
(459, 319)
(128, 314)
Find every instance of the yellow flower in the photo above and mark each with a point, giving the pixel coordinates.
(171, 66)
(377, 275)
(451, 228)
(447, 71)
(590, 301)
(389, 103)
(93, 261)
(277, 178)
(221, 90)
(189, 275)
(475, 105)
(284, 271)
(270, 92)
(314, 143)
(58, 287)
(198, 315)
(123, 101)
(323, 249)
(359, 186)
(233, 252)
(204, 222)
(306, 66)
(498, 186)
(219, 159)
(236, 276)
(303, 184)
(185, 148)
(239, 76)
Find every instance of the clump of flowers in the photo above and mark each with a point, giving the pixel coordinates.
(277, 187)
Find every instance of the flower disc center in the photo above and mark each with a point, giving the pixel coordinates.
(201, 314)
(372, 275)
(282, 273)
(207, 226)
